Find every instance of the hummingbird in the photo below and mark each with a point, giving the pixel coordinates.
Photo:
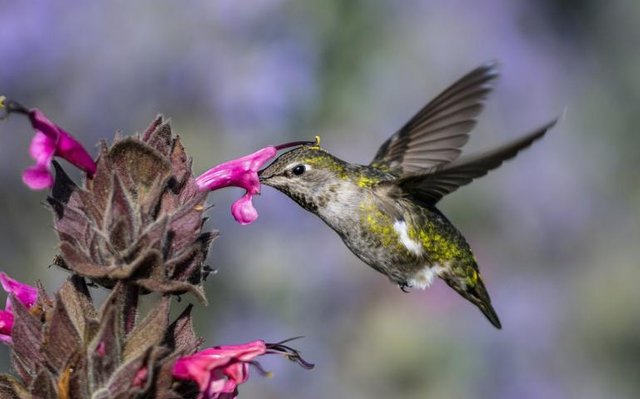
(386, 212)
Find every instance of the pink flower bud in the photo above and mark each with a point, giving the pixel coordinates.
(25, 294)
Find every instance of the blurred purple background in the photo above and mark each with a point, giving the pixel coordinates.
(555, 231)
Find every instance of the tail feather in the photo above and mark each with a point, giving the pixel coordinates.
(483, 302)
(476, 293)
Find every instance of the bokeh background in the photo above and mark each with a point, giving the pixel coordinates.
(556, 231)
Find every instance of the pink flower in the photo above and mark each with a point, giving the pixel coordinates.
(218, 371)
(49, 141)
(6, 324)
(242, 172)
(25, 294)
(140, 379)
(243, 210)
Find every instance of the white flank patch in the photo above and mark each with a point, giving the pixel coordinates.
(424, 277)
(400, 226)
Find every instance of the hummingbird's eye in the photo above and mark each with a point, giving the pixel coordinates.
(298, 170)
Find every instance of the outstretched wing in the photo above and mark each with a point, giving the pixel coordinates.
(441, 180)
(437, 132)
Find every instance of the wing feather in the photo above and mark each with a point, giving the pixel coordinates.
(436, 134)
(430, 186)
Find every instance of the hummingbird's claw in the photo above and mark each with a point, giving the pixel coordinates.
(404, 287)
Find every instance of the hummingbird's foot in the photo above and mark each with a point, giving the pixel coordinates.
(404, 287)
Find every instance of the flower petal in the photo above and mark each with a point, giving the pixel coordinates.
(50, 140)
(6, 324)
(195, 368)
(241, 172)
(218, 371)
(71, 150)
(42, 150)
(243, 352)
(66, 146)
(238, 373)
(37, 177)
(26, 294)
(243, 210)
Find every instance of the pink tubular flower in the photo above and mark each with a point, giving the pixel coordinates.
(242, 172)
(6, 324)
(218, 371)
(24, 293)
(49, 141)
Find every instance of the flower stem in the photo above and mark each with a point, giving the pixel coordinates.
(131, 296)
